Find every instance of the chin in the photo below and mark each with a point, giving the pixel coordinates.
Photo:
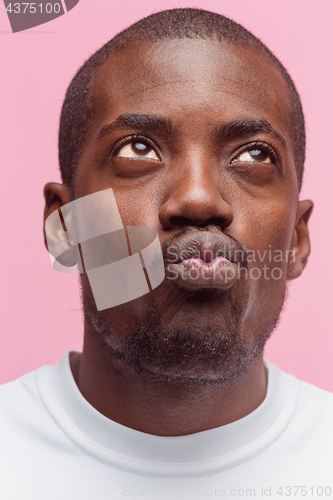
(201, 337)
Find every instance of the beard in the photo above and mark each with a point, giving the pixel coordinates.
(190, 354)
(201, 345)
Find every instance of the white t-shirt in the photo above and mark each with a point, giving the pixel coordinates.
(55, 446)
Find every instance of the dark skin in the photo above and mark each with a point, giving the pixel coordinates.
(190, 177)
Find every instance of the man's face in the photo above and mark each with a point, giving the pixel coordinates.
(195, 144)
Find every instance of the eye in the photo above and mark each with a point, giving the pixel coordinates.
(137, 149)
(255, 155)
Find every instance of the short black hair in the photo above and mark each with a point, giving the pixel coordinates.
(189, 23)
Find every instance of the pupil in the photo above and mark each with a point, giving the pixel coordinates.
(140, 147)
(258, 154)
(255, 152)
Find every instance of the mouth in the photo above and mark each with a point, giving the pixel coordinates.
(205, 259)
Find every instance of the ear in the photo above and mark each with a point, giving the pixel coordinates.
(55, 233)
(300, 246)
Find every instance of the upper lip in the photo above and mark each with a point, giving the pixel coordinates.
(205, 245)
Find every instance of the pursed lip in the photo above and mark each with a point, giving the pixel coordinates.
(205, 259)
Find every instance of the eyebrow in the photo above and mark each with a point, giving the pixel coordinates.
(243, 129)
(143, 124)
(235, 129)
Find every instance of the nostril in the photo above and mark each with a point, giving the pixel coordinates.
(181, 221)
(183, 210)
(221, 223)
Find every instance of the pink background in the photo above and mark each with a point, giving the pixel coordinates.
(40, 309)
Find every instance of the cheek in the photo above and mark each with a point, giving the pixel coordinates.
(266, 232)
(139, 206)
(266, 225)
(137, 202)
(267, 236)
(137, 211)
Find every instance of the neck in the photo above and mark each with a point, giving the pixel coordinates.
(163, 408)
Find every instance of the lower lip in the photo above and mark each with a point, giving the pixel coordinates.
(196, 274)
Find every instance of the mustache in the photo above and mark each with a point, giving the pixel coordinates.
(192, 241)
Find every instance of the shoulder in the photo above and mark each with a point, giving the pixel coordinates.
(312, 408)
(309, 395)
(22, 407)
(20, 399)
(315, 402)
(23, 387)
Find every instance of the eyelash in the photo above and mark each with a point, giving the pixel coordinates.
(247, 147)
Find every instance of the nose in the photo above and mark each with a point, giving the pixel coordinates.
(196, 199)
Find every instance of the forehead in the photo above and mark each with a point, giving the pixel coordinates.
(197, 77)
